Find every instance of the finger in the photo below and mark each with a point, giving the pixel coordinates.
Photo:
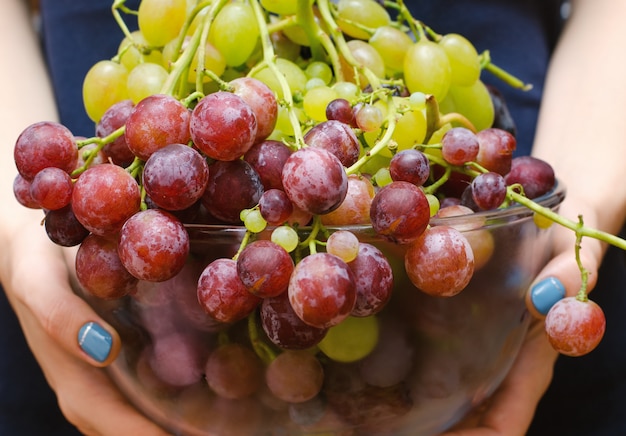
(87, 397)
(40, 284)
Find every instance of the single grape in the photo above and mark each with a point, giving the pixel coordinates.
(336, 137)
(21, 191)
(155, 122)
(222, 294)
(286, 237)
(268, 158)
(233, 186)
(63, 228)
(104, 85)
(316, 100)
(410, 166)
(261, 100)
(315, 180)
(355, 208)
(175, 176)
(488, 190)
(459, 145)
(144, 80)
(177, 359)
(400, 212)
(351, 340)
(44, 144)
(264, 268)
(535, 175)
(234, 371)
(96, 209)
(223, 126)
(51, 188)
(368, 117)
(100, 271)
(440, 262)
(353, 15)
(473, 101)
(373, 278)
(275, 207)
(235, 32)
(340, 109)
(295, 376)
(392, 44)
(161, 20)
(575, 327)
(153, 245)
(365, 57)
(464, 60)
(284, 328)
(435, 79)
(114, 118)
(343, 244)
(322, 290)
(495, 150)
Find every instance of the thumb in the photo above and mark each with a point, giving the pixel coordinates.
(40, 287)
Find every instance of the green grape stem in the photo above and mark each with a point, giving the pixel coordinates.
(269, 58)
(265, 353)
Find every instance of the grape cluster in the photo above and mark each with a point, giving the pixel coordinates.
(293, 123)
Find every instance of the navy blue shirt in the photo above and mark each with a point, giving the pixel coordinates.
(588, 395)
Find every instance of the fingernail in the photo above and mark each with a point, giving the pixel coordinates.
(95, 341)
(545, 293)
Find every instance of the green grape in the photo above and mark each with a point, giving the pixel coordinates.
(161, 20)
(316, 100)
(464, 61)
(296, 78)
(365, 13)
(392, 44)
(315, 82)
(103, 86)
(417, 101)
(254, 221)
(369, 117)
(144, 80)
(321, 70)
(434, 204)
(346, 90)
(135, 51)
(235, 33)
(283, 123)
(434, 79)
(374, 163)
(410, 129)
(286, 237)
(280, 7)
(366, 56)
(474, 102)
(351, 340)
(382, 177)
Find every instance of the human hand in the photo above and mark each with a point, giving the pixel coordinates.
(36, 279)
(510, 410)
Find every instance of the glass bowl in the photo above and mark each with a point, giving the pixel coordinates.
(435, 359)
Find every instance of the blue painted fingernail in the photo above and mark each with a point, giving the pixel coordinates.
(95, 341)
(545, 293)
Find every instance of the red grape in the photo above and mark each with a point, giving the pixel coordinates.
(51, 188)
(488, 190)
(223, 126)
(315, 180)
(275, 207)
(156, 121)
(94, 203)
(268, 158)
(233, 371)
(495, 150)
(264, 268)
(575, 327)
(440, 262)
(373, 278)
(100, 271)
(322, 290)
(263, 102)
(45, 144)
(114, 118)
(336, 137)
(400, 212)
(175, 176)
(535, 175)
(63, 228)
(153, 245)
(410, 166)
(222, 294)
(459, 145)
(295, 376)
